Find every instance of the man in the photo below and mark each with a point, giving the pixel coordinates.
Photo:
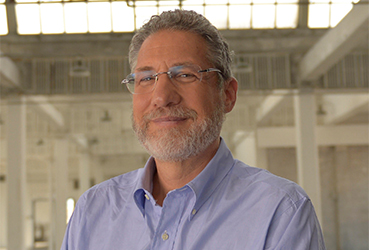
(191, 194)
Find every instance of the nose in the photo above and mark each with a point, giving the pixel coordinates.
(165, 93)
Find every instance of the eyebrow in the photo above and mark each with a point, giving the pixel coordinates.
(150, 68)
(144, 68)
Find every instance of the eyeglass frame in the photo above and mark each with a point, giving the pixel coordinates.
(126, 81)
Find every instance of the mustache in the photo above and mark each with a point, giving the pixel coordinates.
(180, 112)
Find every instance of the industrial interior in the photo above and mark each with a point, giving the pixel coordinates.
(65, 119)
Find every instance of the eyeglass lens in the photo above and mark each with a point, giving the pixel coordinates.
(144, 81)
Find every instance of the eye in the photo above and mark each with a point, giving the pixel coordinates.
(145, 78)
(184, 75)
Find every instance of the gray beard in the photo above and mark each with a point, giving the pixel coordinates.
(174, 145)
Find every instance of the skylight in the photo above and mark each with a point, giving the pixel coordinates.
(98, 16)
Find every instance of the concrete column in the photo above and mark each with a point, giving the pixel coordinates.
(303, 14)
(98, 173)
(16, 174)
(12, 20)
(306, 148)
(84, 172)
(245, 148)
(60, 190)
(3, 212)
(262, 161)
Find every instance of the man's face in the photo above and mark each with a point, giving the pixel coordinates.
(174, 123)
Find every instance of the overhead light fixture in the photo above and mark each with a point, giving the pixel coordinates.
(93, 141)
(106, 117)
(320, 110)
(242, 67)
(40, 142)
(79, 69)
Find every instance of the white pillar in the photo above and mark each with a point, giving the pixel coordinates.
(245, 147)
(97, 172)
(262, 161)
(306, 148)
(84, 172)
(16, 174)
(60, 190)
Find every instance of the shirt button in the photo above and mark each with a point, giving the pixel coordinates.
(146, 196)
(165, 236)
(194, 211)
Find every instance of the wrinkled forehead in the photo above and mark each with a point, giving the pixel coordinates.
(181, 66)
(172, 48)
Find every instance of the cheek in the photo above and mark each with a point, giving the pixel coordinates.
(137, 110)
(139, 103)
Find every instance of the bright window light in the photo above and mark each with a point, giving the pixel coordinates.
(232, 2)
(70, 207)
(123, 17)
(286, 15)
(3, 20)
(52, 21)
(237, 9)
(318, 15)
(217, 15)
(210, 2)
(99, 15)
(235, 12)
(75, 17)
(24, 1)
(338, 12)
(167, 5)
(174, 4)
(263, 15)
(143, 14)
(195, 5)
(166, 8)
(28, 18)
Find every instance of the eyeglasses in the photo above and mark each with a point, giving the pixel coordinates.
(144, 81)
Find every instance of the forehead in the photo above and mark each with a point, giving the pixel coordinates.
(169, 48)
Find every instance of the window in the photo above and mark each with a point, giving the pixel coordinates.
(56, 17)
(70, 207)
(328, 13)
(3, 19)
(103, 16)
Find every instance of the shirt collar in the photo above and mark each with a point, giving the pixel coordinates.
(208, 180)
(203, 185)
(144, 184)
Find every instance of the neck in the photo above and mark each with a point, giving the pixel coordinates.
(174, 175)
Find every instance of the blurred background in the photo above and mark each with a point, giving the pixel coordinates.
(65, 120)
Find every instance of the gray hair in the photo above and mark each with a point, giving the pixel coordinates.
(218, 52)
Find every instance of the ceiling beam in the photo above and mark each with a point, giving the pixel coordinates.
(335, 44)
(269, 106)
(42, 106)
(9, 73)
(341, 107)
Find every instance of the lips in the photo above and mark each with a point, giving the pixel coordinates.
(169, 116)
(169, 119)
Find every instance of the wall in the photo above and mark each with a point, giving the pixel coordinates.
(345, 192)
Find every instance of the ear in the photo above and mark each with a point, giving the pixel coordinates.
(230, 90)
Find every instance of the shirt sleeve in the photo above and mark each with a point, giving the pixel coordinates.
(296, 228)
(72, 234)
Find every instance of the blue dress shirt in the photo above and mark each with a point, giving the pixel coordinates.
(229, 205)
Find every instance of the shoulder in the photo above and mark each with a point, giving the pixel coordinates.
(262, 182)
(117, 188)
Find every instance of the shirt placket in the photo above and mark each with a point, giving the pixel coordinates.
(169, 222)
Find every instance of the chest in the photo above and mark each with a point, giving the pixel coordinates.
(217, 224)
